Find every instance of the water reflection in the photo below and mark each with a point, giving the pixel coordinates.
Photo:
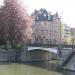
(48, 68)
(32, 68)
(43, 68)
(29, 68)
(68, 72)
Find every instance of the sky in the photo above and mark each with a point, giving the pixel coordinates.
(65, 8)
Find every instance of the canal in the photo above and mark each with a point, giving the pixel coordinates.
(31, 68)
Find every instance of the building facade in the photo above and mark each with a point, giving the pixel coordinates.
(46, 26)
(73, 35)
(66, 34)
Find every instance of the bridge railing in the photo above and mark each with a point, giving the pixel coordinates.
(51, 45)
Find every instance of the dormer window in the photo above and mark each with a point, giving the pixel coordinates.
(37, 18)
(44, 15)
(40, 12)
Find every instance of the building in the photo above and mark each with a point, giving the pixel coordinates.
(62, 32)
(49, 24)
(66, 36)
(73, 35)
(41, 27)
(56, 28)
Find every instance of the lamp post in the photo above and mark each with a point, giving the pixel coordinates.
(59, 46)
(60, 30)
(72, 41)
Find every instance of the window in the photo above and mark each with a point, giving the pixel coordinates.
(49, 18)
(45, 15)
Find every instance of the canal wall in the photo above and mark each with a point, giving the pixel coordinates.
(13, 55)
(24, 52)
(10, 55)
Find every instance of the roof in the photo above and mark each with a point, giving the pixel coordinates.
(43, 15)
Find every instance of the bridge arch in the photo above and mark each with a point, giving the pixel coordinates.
(41, 53)
(54, 50)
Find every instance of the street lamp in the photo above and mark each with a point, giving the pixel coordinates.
(59, 46)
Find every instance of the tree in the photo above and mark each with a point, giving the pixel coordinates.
(15, 23)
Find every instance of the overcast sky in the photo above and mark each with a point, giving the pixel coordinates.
(65, 8)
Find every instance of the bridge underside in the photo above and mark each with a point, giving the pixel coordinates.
(40, 55)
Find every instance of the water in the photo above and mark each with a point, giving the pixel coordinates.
(68, 73)
(32, 68)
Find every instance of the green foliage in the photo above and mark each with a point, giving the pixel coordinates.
(9, 46)
(17, 46)
(2, 46)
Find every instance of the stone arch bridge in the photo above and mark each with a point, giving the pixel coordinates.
(41, 53)
(37, 52)
(65, 53)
